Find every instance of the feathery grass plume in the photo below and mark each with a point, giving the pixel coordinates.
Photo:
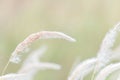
(82, 69)
(15, 57)
(105, 72)
(32, 69)
(105, 52)
(13, 77)
(32, 64)
(35, 56)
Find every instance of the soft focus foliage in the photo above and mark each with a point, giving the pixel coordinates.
(101, 65)
(86, 20)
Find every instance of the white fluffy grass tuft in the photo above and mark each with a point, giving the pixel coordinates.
(105, 72)
(15, 57)
(35, 56)
(82, 69)
(104, 57)
(105, 52)
(32, 65)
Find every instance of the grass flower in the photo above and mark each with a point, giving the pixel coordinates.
(104, 57)
(32, 65)
(105, 52)
(82, 69)
(105, 72)
(15, 57)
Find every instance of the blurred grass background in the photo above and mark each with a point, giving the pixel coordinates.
(85, 20)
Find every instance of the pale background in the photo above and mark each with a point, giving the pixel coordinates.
(85, 20)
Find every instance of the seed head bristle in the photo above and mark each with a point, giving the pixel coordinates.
(15, 57)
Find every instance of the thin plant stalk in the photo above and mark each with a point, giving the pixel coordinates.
(5, 68)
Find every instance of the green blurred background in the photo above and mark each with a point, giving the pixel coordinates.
(85, 20)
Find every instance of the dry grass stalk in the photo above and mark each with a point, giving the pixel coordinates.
(105, 72)
(105, 56)
(15, 57)
(35, 67)
(105, 52)
(35, 56)
(82, 69)
(32, 64)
